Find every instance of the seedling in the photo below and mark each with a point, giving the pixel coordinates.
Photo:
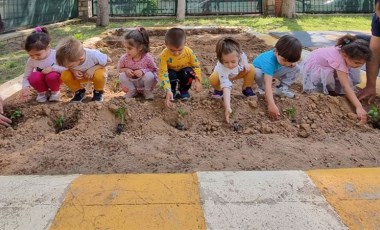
(181, 115)
(374, 115)
(291, 112)
(16, 114)
(59, 123)
(235, 125)
(115, 85)
(120, 114)
(206, 83)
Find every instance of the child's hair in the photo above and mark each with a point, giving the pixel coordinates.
(227, 45)
(175, 37)
(289, 48)
(38, 40)
(354, 48)
(69, 50)
(138, 37)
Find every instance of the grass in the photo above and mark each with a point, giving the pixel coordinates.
(13, 57)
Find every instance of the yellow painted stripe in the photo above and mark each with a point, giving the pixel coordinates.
(354, 194)
(133, 201)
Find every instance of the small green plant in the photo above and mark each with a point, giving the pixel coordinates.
(16, 114)
(115, 85)
(78, 36)
(291, 112)
(120, 114)
(60, 123)
(373, 113)
(206, 83)
(181, 113)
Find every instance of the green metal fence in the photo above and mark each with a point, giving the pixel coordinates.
(222, 7)
(134, 8)
(335, 6)
(29, 13)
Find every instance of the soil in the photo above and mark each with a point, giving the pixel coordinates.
(323, 133)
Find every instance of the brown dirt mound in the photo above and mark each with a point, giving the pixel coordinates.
(322, 133)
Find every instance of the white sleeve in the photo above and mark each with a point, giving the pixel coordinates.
(244, 58)
(223, 76)
(27, 72)
(101, 58)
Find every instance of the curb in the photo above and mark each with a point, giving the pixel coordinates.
(316, 199)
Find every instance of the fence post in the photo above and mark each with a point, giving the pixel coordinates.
(85, 8)
(181, 9)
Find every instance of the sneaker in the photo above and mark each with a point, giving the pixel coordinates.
(79, 96)
(283, 91)
(41, 97)
(248, 92)
(54, 96)
(217, 94)
(98, 95)
(148, 95)
(131, 93)
(260, 91)
(184, 96)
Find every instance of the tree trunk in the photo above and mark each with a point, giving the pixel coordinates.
(288, 8)
(103, 17)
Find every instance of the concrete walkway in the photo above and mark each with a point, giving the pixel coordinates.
(317, 199)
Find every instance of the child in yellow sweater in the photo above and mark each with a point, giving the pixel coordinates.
(178, 65)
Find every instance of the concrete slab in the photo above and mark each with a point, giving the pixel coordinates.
(264, 200)
(31, 202)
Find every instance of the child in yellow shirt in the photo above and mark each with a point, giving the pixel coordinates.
(178, 67)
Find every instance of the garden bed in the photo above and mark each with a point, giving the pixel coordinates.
(315, 131)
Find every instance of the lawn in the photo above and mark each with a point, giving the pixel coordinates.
(13, 57)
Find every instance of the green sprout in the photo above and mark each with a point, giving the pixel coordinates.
(181, 113)
(373, 113)
(206, 83)
(115, 85)
(120, 113)
(59, 122)
(16, 114)
(291, 112)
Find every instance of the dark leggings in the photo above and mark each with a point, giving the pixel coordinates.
(183, 78)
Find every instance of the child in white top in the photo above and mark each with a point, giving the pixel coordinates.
(41, 70)
(232, 65)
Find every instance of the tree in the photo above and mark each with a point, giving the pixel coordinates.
(103, 18)
(288, 8)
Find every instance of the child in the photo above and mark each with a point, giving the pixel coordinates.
(279, 63)
(332, 70)
(137, 68)
(41, 71)
(232, 65)
(84, 65)
(178, 65)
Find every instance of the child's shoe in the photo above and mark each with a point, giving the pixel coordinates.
(55, 95)
(79, 96)
(184, 96)
(41, 97)
(148, 95)
(282, 90)
(131, 93)
(248, 92)
(98, 95)
(217, 94)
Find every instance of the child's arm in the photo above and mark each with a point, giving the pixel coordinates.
(25, 92)
(90, 72)
(350, 94)
(227, 103)
(244, 62)
(273, 111)
(163, 75)
(198, 73)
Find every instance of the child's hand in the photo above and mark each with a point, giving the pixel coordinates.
(123, 88)
(273, 112)
(129, 73)
(91, 71)
(362, 114)
(25, 93)
(247, 67)
(138, 73)
(227, 114)
(47, 70)
(197, 86)
(77, 74)
(169, 99)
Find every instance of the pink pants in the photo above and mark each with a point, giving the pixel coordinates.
(42, 82)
